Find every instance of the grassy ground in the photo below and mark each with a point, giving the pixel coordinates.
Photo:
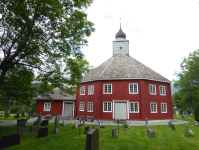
(12, 118)
(134, 138)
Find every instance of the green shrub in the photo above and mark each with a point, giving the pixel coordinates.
(196, 112)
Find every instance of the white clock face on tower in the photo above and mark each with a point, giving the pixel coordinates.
(120, 47)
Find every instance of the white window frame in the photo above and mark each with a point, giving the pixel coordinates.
(106, 92)
(151, 86)
(89, 106)
(45, 106)
(163, 91)
(90, 90)
(81, 106)
(133, 88)
(82, 90)
(107, 106)
(134, 107)
(162, 105)
(153, 106)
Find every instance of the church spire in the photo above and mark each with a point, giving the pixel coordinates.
(120, 33)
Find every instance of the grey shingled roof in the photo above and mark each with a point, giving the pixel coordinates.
(123, 67)
(58, 96)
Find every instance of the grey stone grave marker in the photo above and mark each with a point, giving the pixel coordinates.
(172, 127)
(48, 117)
(99, 123)
(146, 122)
(65, 122)
(149, 132)
(86, 129)
(44, 122)
(20, 131)
(40, 119)
(95, 126)
(196, 123)
(122, 126)
(34, 128)
(169, 124)
(114, 132)
(56, 128)
(186, 130)
(92, 140)
(36, 123)
(43, 132)
(76, 125)
(9, 140)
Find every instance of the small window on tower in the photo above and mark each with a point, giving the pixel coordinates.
(120, 47)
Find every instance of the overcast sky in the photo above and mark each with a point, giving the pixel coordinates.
(160, 32)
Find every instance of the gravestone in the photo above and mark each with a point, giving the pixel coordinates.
(122, 126)
(44, 122)
(99, 123)
(21, 122)
(43, 132)
(0, 133)
(196, 123)
(86, 129)
(149, 132)
(83, 121)
(172, 127)
(76, 125)
(23, 114)
(56, 128)
(114, 133)
(48, 117)
(40, 119)
(17, 116)
(20, 131)
(36, 123)
(34, 128)
(92, 140)
(169, 124)
(146, 122)
(65, 122)
(9, 140)
(95, 126)
(186, 130)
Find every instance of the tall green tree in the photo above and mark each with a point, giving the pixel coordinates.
(41, 35)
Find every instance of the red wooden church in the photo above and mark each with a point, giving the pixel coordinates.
(124, 88)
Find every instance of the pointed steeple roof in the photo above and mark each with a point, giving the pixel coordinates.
(120, 34)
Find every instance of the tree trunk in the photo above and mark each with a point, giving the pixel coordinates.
(6, 114)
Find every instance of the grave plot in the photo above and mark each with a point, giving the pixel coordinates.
(9, 140)
(92, 140)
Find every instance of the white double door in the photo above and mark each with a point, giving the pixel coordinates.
(120, 111)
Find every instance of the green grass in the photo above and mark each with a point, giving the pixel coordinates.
(135, 138)
(12, 118)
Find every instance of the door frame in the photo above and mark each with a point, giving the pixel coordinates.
(63, 106)
(123, 101)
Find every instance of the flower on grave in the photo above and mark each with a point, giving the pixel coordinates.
(191, 133)
(153, 132)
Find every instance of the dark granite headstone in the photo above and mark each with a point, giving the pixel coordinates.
(34, 128)
(21, 122)
(172, 127)
(43, 132)
(20, 131)
(113, 132)
(44, 122)
(9, 140)
(36, 123)
(92, 140)
(17, 116)
(86, 129)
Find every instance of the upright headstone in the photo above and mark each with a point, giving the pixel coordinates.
(122, 126)
(92, 140)
(44, 122)
(196, 123)
(169, 124)
(34, 128)
(186, 130)
(95, 126)
(99, 123)
(146, 122)
(56, 128)
(9, 140)
(149, 132)
(40, 119)
(36, 123)
(48, 117)
(86, 130)
(21, 122)
(65, 122)
(43, 132)
(83, 121)
(76, 125)
(172, 127)
(113, 132)
(20, 131)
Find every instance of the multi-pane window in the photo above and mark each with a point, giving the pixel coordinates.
(107, 107)
(107, 88)
(153, 107)
(134, 107)
(47, 106)
(90, 89)
(163, 107)
(152, 89)
(81, 107)
(82, 90)
(133, 88)
(162, 90)
(90, 106)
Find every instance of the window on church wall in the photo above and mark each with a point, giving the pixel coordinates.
(47, 106)
(152, 89)
(81, 107)
(107, 107)
(133, 88)
(90, 106)
(162, 90)
(91, 89)
(153, 107)
(163, 108)
(82, 90)
(107, 88)
(134, 107)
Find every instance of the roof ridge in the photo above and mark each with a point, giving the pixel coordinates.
(106, 68)
(134, 66)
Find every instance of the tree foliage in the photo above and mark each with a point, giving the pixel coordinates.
(196, 112)
(42, 35)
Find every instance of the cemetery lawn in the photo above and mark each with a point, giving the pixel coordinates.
(12, 118)
(134, 138)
